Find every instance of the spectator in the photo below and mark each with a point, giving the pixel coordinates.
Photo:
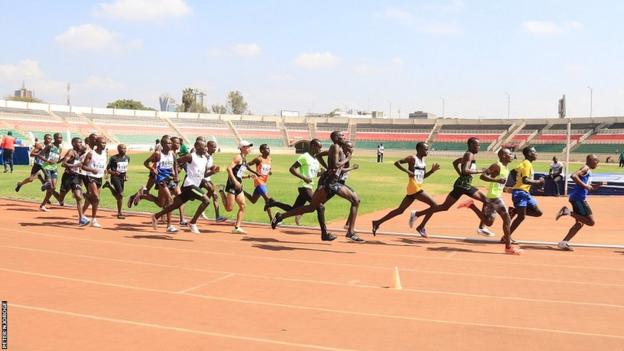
(380, 153)
(8, 147)
(555, 173)
(622, 158)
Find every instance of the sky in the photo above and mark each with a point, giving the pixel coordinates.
(470, 58)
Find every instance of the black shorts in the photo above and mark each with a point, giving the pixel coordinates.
(457, 191)
(117, 184)
(71, 182)
(94, 180)
(581, 208)
(168, 184)
(190, 193)
(35, 169)
(230, 188)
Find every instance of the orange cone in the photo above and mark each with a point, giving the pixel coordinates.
(396, 279)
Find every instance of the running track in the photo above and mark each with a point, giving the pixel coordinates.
(127, 287)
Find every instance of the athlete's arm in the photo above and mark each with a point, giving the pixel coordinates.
(466, 163)
(410, 160)
(320, 158)
(230, 170)
(491, 174)
(66, 158)
(36, 150)
(150, 162)
(86, 161)
(336, 154)
(293, 170)
(255, 161)
(434, 168)
(576, 177)
(456, 164)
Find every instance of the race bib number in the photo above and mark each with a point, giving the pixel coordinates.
(419, 175)
(241, 172)
(122, 167)
(265, 169)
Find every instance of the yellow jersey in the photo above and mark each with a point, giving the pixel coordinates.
(525, 169)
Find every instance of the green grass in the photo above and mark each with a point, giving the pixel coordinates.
(379, 186)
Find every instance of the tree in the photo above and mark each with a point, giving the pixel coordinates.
(236, 103)
(23, 99)
(188, 98)
(128, 104)
(220, 109)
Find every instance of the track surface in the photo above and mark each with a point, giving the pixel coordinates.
(126, 287)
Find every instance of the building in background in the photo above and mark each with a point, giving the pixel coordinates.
(422, 115)
(24, 93)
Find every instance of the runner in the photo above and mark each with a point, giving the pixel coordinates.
(309, 168)
(524, 203)
(118, 170)
(207, 184)
(50, 156)
(176, 148)
(263, 171)
(581, 212)
(72, 178)
(95, 165)
(496, 177)
(134, 199)
(234, 186)
(466, 167)
(347, 148)
(197, 167)
(416, 172)
(37, 162)
(162, 164)
(329, 185)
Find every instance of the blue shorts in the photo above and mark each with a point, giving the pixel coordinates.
(261, 190)
(522, 199)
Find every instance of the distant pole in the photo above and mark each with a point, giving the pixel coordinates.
(567, 166)
(390, 112)
(443, 106)
(591, 101)
(508, 103)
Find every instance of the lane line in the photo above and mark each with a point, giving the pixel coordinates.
(520, 264)
(235, 300)
(356, 313)
(477, 275)
(177, 329)
(207, 283)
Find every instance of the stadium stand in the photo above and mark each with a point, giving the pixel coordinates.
(139, 129)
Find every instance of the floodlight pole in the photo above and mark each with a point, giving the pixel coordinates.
(567, 166)
(443, 103)
(591, 101)
(508, 103)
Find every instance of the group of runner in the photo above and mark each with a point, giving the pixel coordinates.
(322, 175)
(498, 178)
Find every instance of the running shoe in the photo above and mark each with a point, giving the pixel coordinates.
(346, 227)
(183, 223)
(466, 204)
(298, 220)
(95, 224)
(412, 219)
(238, 230)
(43, 209)
(220, 219)
(375, 227)
(565, 246)
(83, 221)
(136, 199)
(131, 201)
(564, 211)
(194, 229)
(171, 229)
(485, 231)
(18, 186)
(422, 232)
(354, 237)
(514, 250)
(276, 220)
(328, 237)
(154, 222)
(121, 216)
